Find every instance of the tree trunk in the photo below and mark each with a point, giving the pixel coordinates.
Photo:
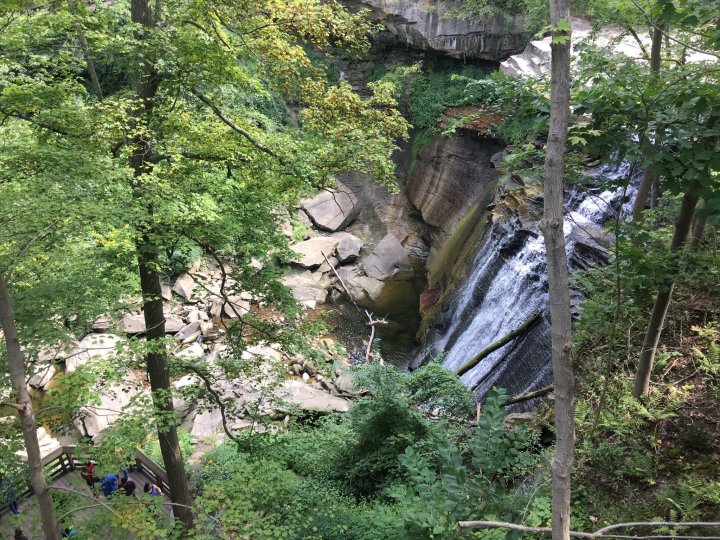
(662, 300)
(649, 180)
(557, 268)
(16, 365)
(160, 382)
(698, 230)
(148, 265)
(94, 81)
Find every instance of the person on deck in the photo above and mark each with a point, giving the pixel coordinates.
(152, 489)
(88, 473)
(128, 486)
(9, 493)
(109, 484)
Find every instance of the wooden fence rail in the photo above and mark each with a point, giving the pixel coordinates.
(63, 460)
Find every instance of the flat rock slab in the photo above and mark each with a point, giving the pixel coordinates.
(311, 251)
(92, 346)
(332, 210)
(388, 261)
(311, 399)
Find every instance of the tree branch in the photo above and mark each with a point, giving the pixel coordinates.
(600, 533)
(232, 125)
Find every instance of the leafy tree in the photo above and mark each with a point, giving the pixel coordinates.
(209, 118)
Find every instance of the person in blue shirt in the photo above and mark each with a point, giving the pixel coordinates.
(152, 489)
(109, 484)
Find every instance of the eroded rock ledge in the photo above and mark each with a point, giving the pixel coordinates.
(428, 25)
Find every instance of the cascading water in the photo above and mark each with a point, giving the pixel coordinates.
(508, 283)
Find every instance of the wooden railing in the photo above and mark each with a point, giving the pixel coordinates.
(62, 461)
(152, 470)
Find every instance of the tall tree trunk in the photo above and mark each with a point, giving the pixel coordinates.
(148, 266)
(649, 180)
(552, 225)
(698, 229)
(16, 364)
(90, 65)
(662, 300)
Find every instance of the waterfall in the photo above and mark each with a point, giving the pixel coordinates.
(508, 283)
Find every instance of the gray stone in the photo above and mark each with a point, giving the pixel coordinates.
(187, 331)
(349, 246)
(113, 401)
(166, 292)
(344, 384)
(235, 306)
(193, 316)
(90, 347)
(216, 307)
(311, 251)
(310, 399)
(309, 368)
(206, 327)
(325, 267)
(102, 323)
(332, 210)
(388, 261)
(41, 379)
(194, 351)
(133, 324)
(173, 324)
(305, 288)
(185, 286)
(362, 288)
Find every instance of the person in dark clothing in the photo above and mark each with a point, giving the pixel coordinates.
(128, 486)
(109, 484)
(9, 493)
(20, 534)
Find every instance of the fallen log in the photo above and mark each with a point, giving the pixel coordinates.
(524, 327)
(529, 395)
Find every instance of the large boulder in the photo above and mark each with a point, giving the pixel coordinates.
(305, 288)
(308, 398)
(132, 323)
(349, 246)
(332, 210)
(173, 324)
(311, 251)
(388, 261)
(92, 346)
(236, 306)
(185, 286)
(362, 288)
(113, 400)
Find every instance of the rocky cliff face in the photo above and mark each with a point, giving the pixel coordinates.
(429, 25)
(451, 183)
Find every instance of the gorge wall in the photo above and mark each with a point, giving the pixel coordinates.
(437, 26)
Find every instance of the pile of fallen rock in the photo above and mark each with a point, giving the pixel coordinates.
(337, 263)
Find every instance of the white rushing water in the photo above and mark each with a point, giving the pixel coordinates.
(508, 283)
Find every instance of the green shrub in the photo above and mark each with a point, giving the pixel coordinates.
(384, 424)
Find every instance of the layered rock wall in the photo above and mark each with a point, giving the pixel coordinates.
(430, 25)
